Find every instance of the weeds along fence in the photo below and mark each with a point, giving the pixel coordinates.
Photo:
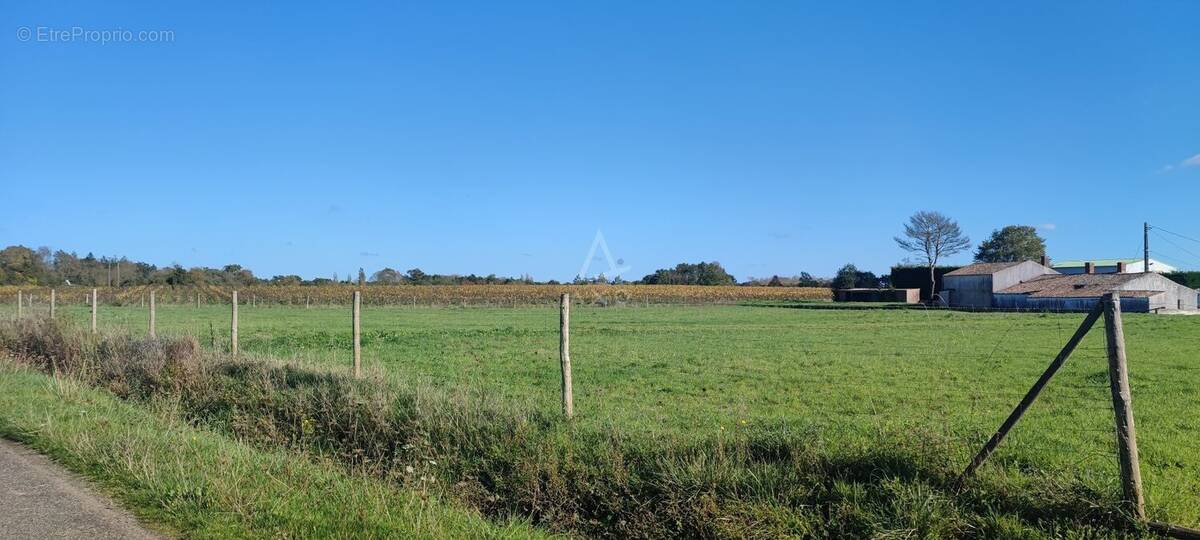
(1123, 451)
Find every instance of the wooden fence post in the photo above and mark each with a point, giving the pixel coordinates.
(53, 298)
(357, 333)
(564, 354)
(153, 333)
(197, 300)
(1118, 383)
(1032, 395)
(306, 301)
(95, 301)
(233, 349)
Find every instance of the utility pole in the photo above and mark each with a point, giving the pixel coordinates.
(1145, 246)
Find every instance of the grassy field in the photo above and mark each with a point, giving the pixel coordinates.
(693, 373)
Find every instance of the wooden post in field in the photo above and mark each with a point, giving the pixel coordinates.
(564, 354)
(95, 300)
(53, 298)
(20, 304)
(1032, 395)
(357, 333)
(233, 327)
(153, 333)
(1118, 383)
(197, 300)
(306, 299)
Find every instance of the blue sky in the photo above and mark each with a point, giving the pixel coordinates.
(500, 137)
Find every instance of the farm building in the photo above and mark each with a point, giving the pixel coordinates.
(1111, 266)
(974, 285)
(1143, 292)
(1029, 285)
(905, 296)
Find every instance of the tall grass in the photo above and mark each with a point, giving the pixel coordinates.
(510, 460)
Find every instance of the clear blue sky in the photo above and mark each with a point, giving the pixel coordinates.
(500, 136)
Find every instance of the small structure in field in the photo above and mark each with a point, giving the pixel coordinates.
(974, 285)
(903, 296)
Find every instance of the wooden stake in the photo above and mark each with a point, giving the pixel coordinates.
(564, 354)
(153, 334)
(1118, 382)
(1175, 531)
(94, 302)
(53, 298)
(1032, 395)
(357, 320)
(233, 327)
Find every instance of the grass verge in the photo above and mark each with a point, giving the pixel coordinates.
(205, 485)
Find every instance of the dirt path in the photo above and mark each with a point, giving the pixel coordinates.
(39, 499)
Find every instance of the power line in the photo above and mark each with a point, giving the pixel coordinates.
(1185, 250)
(1157, 228)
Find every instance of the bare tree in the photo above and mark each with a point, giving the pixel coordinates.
(932, 236)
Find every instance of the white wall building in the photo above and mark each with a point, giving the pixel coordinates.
(1111, 266)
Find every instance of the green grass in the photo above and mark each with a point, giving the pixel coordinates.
(687, 374)
(205, 485)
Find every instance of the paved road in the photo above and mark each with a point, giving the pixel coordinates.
(39, 499)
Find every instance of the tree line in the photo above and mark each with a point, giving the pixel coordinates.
(20, 265)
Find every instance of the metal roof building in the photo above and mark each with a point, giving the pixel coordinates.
(1142, 292)
(1032, 286)
(973, 285)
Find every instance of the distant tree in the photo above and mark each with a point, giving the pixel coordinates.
(775, 282)
(415, 275)
(710, 273)
(362, 277)
(387, 276)
(290, 279)
(806, 279)
(846, 278)
(20, 265)
(176, 275)
(1013, 243)
(932, 236)
(867, 280)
